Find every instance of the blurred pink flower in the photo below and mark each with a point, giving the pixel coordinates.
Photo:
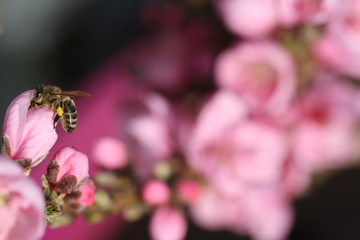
(324, 135)
(155, 192)
(167, 223)
(264, 213)
(292, 12)
(338, 47)
(87, 194)
(110, 152)
(28, 134)
(147, 132)
(68, 170)
(216, 211)
(188, 190)
(232, 155)
(270, 215)
(22, 204)
(295, 179)
(261, 72)
(249, 18)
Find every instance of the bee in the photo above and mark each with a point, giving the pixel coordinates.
(60, 102)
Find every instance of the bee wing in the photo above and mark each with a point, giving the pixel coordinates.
(75, 94)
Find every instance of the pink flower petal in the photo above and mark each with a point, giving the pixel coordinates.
(15, 118)
(224, 109)
(72, 162)
(270, 215)
(167, 224)
(254, 18)
(39, 135)
(261, 72)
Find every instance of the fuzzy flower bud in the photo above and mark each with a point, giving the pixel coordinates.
(110, 153)
(188, 190)
(87, 194)
(167, 224)
(155, 192)
(22, 205)
(28, 134)
(68, 170)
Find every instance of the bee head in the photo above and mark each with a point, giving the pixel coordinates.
(37, 99)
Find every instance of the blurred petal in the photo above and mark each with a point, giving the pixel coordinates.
(23, 212)
(87, 194)
(167, 224)
(249, 18)
(261, 72)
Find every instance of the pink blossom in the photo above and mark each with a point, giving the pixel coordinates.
(292, 12)
(295, 179)
(261, 72)
(216, 211)
(110, 153)
(147, 133)
(338, 47)
(22, 205)
(68, 170)
(231, 155)
(269, 212)
(155, 192)
(324, 135)
(262, 213)
(28, 133)
(188, 190)
(249, 18)
(87, 194)
(167, 223)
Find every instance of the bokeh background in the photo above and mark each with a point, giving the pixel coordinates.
(60, 42)
(63, 42)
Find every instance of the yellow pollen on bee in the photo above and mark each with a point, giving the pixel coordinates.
(59, 111)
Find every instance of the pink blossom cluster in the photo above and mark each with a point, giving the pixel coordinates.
(28, 136)
(252, 121)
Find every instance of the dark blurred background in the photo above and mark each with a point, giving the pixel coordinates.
(59, 41)
(62, 41)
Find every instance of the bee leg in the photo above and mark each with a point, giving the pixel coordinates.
(56, 119)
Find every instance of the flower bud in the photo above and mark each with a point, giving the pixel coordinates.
(87, 194)
(188, 190)
(110, 153)
(155, 192)
(68, 171)
(167, 224)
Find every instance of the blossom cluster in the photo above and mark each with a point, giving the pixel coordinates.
(222, 112)
(228, 117)
(28, 136)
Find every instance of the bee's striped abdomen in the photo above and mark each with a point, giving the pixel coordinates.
(69, 118)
